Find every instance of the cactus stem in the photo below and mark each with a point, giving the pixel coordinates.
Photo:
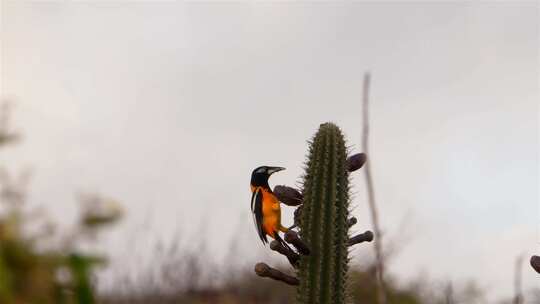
(360, 238)
(263, 270)
(297, 215)
(291, 256)
(293, 238)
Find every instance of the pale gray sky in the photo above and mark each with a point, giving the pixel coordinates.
(168, 107)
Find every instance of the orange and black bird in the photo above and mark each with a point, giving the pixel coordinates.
(265, 205)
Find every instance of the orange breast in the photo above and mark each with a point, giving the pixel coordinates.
(271, 213)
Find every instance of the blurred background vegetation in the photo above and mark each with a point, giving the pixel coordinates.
(39, 264)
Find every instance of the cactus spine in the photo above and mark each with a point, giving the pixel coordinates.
(323, 222)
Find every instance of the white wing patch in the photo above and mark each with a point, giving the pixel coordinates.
(254, 197)
(256, 208)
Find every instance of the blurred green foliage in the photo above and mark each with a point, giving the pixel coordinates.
(32, 271)
(31, 275)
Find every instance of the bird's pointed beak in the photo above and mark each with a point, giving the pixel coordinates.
(273, 170)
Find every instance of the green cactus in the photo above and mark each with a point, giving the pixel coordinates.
(323, 221)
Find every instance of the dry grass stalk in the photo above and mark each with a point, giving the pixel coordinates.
(381, 294)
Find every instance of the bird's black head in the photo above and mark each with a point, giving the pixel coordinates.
(260, 176)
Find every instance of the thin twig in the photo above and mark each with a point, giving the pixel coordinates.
(360, 238)
(289, 254)
(518, 293)
(6, 135)
(381, 293)
(263, 270)
(449, 293)
(293, 238)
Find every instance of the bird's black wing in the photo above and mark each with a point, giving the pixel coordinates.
(256, 209)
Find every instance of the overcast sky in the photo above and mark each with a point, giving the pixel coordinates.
(168, 108)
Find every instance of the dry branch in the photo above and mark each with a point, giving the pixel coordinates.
(263, 270)
(518, 293)
(381, 292)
